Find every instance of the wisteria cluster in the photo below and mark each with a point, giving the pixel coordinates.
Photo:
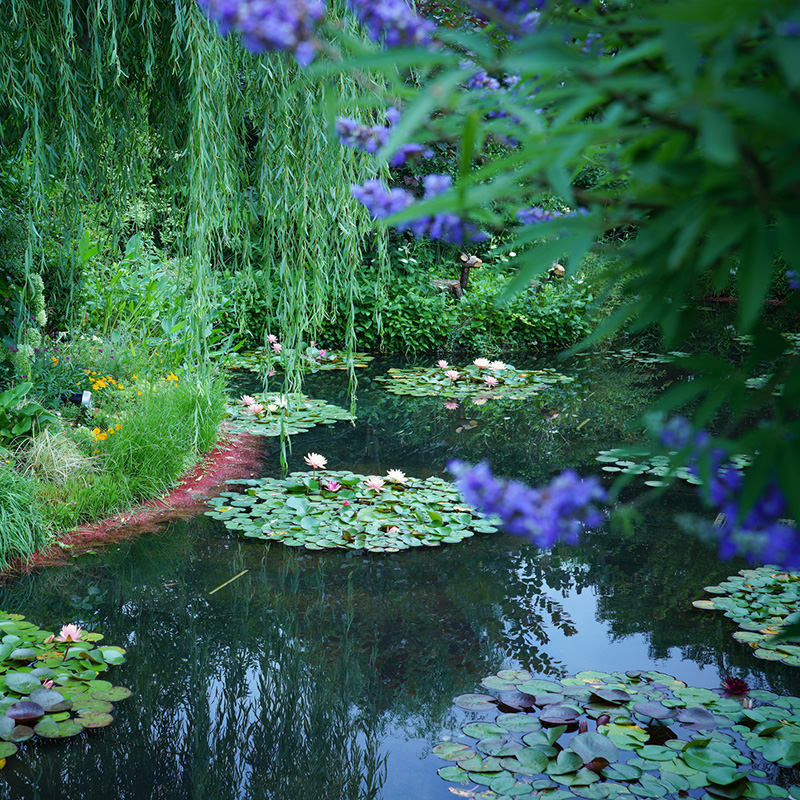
(521, 15)
(382, 202)
(760, 534)
(371, 138)
(392, 21)
(536, 214)
(558, 512)
(793, 278)
(270, 24)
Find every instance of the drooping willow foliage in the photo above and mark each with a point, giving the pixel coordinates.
(107, 104)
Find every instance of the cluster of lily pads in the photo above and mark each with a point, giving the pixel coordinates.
(641, 462)
(483, 379)
(344, 510)
(645, 356)
(762, 602)
(50, 682)
(604, 735)
(307, 359)
(269, 413)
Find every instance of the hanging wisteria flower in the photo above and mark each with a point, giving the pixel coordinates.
(380, 201)
(69, 633)
(371, 138)
(270, 24)
(760, 534)
(315, 461)
(396, 476)
(481, 363)
(452, 374)
(374, 483)
(793, 278)
(442, 363)
(554, 513)
(512, 14)
(392, 21)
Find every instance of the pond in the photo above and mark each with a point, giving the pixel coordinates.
(331, 675)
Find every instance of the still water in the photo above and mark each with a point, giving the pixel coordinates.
(327, 676)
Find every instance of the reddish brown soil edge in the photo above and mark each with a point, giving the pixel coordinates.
(235, 456)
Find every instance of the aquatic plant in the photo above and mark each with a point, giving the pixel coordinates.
(346, 510)
(492, 380)
(604, 735)
(763, 602)
(309, 359)
(277, 414)
(50, 683)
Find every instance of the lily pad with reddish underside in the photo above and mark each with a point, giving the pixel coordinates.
(496, 381)
(762, 602)
(54, 692)
(303, 510)
(664, 740)
(287, 413)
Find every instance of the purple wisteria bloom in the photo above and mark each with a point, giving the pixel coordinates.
(392, 21)
(270, 24)
(536, 214)
(760, 534)
(382, 202)
(794, 279)
(515, 14)
(558, 512)
(370, 138)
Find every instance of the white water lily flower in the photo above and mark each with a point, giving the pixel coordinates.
(315, 460)
(396, 476)
(481, 363)
(496, 365)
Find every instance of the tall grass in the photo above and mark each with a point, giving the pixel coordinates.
(23, 529)
(161, 437)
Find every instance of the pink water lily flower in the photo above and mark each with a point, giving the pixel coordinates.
(490, 380)
(441, 363)
(48, 684)
(452, 374)
(323, 353)
(332, 486)
(374, 483)
(315, 460)
(481, 363)
(345, 502)
(272, 338)
(451, 405)
(246, 400)
(392, 529)
(69, 633)
(270, 373)
(276, 347)
(256, 408)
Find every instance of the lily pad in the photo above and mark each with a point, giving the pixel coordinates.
(287, 413)
(475, 702)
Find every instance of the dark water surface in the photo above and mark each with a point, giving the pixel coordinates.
(327, 676)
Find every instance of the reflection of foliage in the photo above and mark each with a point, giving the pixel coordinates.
(51, 685)
(343, 510)
(653, 736)
(292, 413)
(761, 601)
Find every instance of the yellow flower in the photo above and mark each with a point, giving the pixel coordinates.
(96, 431)
(138, 392)
(133, 377)
(54, 360)
(120, 386)
(118, 426)
(101, 437)
(172, 377)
